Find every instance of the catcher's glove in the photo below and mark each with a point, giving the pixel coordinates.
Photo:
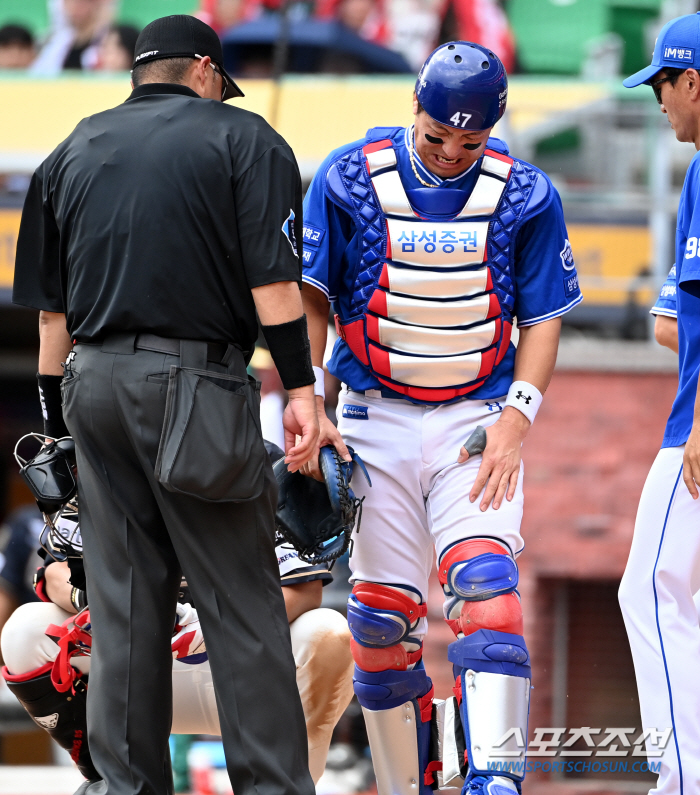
(318, 518)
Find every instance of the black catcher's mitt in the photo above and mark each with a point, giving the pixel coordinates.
(317, 518)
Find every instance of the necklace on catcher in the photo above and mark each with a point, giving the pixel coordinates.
(413, 164)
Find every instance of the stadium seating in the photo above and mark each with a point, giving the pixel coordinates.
(554, 37)
(141, 12)
(33, 14)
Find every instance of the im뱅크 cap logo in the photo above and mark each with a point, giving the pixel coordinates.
(681, 54)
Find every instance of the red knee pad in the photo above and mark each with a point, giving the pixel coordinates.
(466, 550)
(502, 614)
(373, 659)
(383, 597)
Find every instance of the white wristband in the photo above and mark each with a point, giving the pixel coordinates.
(319, 386)
(524, 397)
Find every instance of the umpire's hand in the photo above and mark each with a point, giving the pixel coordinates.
(300, 419)
(329, 434)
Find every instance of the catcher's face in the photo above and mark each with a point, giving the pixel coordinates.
(446, 151)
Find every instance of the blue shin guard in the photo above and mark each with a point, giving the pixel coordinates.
(494, 671)
(397, 706)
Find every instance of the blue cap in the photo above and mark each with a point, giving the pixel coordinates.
(463, 85)
(678, 46)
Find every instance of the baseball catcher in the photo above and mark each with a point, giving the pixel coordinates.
(46, 647)
(429, 241)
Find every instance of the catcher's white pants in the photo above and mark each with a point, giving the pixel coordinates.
(420, 495)
(658, 596)
(320, 644)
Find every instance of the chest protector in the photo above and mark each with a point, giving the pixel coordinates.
(432, 308)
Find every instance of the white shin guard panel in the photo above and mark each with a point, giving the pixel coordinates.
(447, 713)
(393, 737)
(496, 704)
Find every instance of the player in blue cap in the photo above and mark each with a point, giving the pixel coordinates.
(661, 585)
(429, 241)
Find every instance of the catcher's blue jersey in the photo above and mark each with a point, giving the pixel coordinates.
(688, 308)
(546, 284)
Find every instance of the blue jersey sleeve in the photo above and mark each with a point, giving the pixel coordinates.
(545, 273)
(688, 233)
(328, 231)
(665, 304)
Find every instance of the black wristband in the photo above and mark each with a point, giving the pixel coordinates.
(291, 352)
(50, 397)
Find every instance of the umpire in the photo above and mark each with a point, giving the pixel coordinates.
(149, 239)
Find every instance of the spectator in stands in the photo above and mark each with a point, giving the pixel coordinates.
(116, 51)
(481, 21)
(17, 49)
(224, 14)
(74, 42)
(365, 17)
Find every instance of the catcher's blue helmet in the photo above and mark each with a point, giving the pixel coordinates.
(463, 85)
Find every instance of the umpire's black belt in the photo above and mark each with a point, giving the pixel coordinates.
(216, 351)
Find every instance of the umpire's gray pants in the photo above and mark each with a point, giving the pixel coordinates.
(137, 538)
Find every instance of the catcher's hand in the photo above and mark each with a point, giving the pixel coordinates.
(317, 518)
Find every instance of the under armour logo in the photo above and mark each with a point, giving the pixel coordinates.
(526, 398)
(495, 406)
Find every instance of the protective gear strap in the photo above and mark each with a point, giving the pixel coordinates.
(291, 352)
(385, 597)
(51, 408)
(72, 638)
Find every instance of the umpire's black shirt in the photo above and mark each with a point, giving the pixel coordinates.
(158, 216)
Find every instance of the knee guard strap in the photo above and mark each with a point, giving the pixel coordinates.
(379, 615)
(493, 669)
(478, 569)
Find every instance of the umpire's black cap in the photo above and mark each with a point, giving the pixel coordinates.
(182, 36)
